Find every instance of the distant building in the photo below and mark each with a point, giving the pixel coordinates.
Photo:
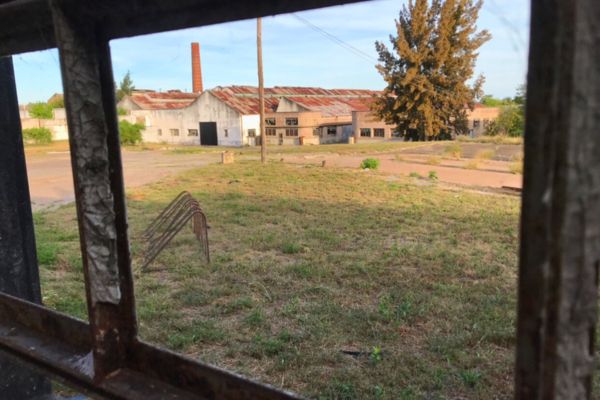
(367, 127)
(480, 117)
(229, 115)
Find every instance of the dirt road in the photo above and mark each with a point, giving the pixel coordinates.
(51, 181)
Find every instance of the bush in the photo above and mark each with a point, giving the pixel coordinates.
(370, 163)
(40, 110)
(37, 135)
(130, 134)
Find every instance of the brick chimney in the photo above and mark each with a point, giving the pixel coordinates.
(196, 69)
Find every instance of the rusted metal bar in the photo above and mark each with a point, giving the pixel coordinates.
(26, 25)
(62, 345)
(560, 220)
(19, 275)
(97, 176)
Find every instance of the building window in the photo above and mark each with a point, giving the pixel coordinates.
(271, 131)
(192, 132)
(159, 132)
(365, 132)
(379, 132)
(174, 132)
(476, 124)
(331, 131)
(291, 131)
(226, 133)
(251, 132)
(486, 123)
(270, 121)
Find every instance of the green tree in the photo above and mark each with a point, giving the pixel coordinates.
(511, 120)
(40, 110)
(126, 87)
(37, 135)
(130, 134)
(433, 56)
(58, 103)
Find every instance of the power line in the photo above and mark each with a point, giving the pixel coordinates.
(356, 51)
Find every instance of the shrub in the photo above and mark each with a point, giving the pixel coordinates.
(453, 150)
(40, 110)
(37, 135)
(370, 163)
(121, 111)
(130, 134)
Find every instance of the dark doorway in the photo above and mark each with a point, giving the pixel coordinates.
(208, 134)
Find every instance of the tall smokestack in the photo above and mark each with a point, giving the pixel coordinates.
(196, 69)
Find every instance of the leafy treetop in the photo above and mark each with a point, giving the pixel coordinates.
(432, 57)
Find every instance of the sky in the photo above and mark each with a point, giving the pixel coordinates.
(296, 52)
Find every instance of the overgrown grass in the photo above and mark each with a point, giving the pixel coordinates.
(498, 139)
(308, 263)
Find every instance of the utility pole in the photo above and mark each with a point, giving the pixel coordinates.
(261, 92)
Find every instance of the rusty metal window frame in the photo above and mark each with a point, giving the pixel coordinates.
(105, 356)
(560, 228)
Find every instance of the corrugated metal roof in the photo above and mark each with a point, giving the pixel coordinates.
(163, 100)
(244, 99)
(330, 102)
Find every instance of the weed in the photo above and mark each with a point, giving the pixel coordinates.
(290, 248)
(376, 355)
(472, 164)
(415, 175)
(256, 318)
(485, 154)
(433, 160)
(340, 391)
(369, 163)
(516, 167)
(453, 150)
(498, 139)
(47, 253)
(470, 378)
(433, 176)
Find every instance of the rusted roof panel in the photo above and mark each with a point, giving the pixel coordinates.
(330, 102)
(243, 99)
(170, 100)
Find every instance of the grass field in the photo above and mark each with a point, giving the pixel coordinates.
(338, 284)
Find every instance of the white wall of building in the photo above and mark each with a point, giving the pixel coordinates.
(250, 122)
(179, 126)
(229, 121)
(286, 105)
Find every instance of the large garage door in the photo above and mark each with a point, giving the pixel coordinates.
(208, 134)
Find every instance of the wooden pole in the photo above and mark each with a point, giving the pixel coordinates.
(261, 92)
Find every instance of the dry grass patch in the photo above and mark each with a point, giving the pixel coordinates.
(332, 283)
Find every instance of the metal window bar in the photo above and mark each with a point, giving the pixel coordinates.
(559, 225)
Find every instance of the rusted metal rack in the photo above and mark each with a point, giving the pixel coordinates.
(104, 356)
(171, 221)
